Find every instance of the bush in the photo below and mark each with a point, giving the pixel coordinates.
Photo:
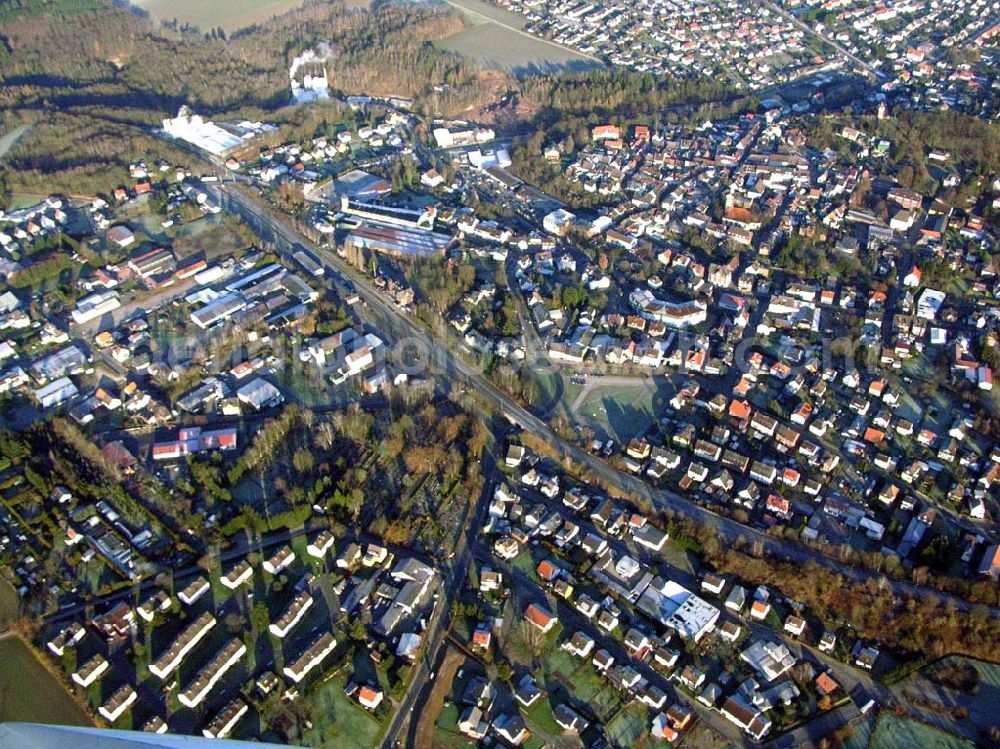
(962, 677)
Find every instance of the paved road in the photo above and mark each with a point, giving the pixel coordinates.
(812, 32)
(143, 305)
(460, 372)
(418, 690)
(239, 551)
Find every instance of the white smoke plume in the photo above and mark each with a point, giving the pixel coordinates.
(321, 54)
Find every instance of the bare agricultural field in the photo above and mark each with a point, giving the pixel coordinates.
(703, 736)
(499, 46)
(478, 11)
(30, 692)
(430, 712)
(496, 38)
(229, 14)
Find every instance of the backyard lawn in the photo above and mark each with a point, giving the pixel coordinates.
(626, 728)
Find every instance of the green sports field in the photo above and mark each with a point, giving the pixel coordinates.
(617, 411)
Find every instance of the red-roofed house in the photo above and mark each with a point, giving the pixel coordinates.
(540, 617)
(826, 685)
(912, 279)
(370, 698)
(779, 506)
(606, 132)
(547, 571)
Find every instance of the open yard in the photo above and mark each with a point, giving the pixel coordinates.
(337, 721)
(28, 692)
(446, 735)
(628, 726)
(229, 14)
(20, 200)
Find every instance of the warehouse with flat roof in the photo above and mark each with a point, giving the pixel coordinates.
(398, 241)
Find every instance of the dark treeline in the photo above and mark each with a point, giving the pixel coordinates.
(92, 77)
(104, 51)
(621, 95)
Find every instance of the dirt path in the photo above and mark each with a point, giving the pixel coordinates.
(432, 709)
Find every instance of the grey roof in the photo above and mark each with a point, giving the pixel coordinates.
(38, 736)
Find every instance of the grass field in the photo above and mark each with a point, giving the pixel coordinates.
(541, 717)
(9, 140)
(24, 200)
(628, 726)
(339, 722)
(28, 692)
(10, 604)
(208, 14)
(549, 389)
(862, 734)
(920, 693)
(893, 732)
(617, 411)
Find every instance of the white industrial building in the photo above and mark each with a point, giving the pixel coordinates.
(93, 306)
(259, 393)
(220, 309)
(558, 222)
(676, 607)
(56, 393)
(446, 138)
(193, 129)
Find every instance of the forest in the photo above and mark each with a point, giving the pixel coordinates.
(93, 78)
(622, 96)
